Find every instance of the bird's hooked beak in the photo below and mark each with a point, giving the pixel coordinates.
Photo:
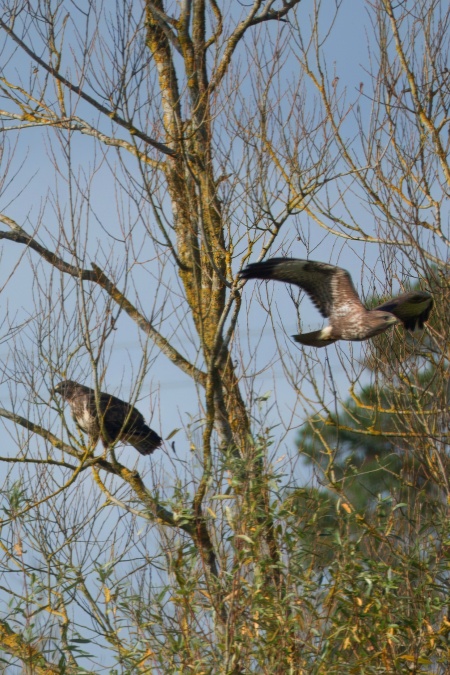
(392, 320)
(59, 389)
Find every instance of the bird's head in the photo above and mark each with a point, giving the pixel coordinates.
(66, 388)
(381, 321)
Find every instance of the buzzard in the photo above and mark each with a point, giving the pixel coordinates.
(108, 418)
(331, 290)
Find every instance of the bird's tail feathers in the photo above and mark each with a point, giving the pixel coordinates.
(145, 443)
(315, 339)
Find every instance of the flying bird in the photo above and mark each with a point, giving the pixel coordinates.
(331, 290)
(108, 418)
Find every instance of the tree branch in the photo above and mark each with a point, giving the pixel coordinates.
(251, 20)
(15, 644)
(86, 97)
(96, 275)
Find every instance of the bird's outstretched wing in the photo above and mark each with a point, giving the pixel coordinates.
(330, 288)
(413, 308)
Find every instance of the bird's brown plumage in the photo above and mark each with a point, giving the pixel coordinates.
(108, 418)
(332, 291)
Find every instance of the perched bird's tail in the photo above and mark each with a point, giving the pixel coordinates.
(318, 338)
(145, 441)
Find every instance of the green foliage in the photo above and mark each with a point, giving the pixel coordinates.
(183, 140)
(358, 450)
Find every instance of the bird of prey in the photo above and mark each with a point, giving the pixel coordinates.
(108, 418)
(331, 290)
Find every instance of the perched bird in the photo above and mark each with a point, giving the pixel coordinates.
(331, 290)
(107, 418)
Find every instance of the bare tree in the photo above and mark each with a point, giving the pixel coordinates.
(176, 142)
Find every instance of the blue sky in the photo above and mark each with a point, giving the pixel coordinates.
(39, 193)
